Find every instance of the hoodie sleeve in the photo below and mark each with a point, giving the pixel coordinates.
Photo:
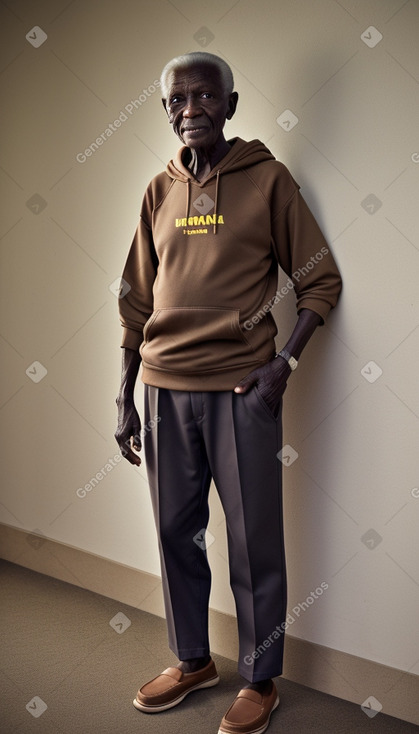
(136, 306)
(304, 255)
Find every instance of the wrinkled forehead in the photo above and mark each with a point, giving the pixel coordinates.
(193, 77)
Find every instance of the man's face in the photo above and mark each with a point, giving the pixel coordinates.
(197, 105)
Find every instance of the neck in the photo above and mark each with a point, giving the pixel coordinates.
(203, 160)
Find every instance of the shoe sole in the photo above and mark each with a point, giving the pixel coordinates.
(164, 706)
(262, 728)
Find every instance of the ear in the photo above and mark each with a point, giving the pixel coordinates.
(232, 104)
(164, 105)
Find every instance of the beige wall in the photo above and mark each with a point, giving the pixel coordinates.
(354, 427)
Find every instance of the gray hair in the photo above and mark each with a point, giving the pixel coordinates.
(198, 57)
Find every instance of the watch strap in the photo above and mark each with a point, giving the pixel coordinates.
(293, 363)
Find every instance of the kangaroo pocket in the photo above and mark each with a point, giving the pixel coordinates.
(196, 339)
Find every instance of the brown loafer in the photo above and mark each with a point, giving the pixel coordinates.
(250, 712)
(171, 687)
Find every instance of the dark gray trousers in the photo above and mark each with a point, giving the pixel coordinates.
(233, 439)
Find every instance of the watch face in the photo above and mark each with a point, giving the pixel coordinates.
(293, 363)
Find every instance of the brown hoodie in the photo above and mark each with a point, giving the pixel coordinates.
(201, 275)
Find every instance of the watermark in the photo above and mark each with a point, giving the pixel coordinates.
(36, 707)
(371, 371)
(415, 492)
(287, 455)
(287, 120)
(123, 116)
(101, 474)
(113, 461)
(36, 539)
(282, 292)
(36, 204)
(120, 622)
(371, 36)
(36, 371)
(203, 539)
(289, 620)
(371, 706)
(119, 287)
(371, 539)
(36, 36)
(371, 203)
(203, 36)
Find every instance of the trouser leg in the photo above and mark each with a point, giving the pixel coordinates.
(242, 440)
(179, 481)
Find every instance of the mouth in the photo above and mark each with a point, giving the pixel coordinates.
(192, 130)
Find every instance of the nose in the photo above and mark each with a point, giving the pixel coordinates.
(192, 107)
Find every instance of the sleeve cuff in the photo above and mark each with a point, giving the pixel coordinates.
(320, 307)
(131, 339)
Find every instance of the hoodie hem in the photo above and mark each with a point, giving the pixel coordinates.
(226, 380)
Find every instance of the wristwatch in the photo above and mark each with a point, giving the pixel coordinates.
(287, 356)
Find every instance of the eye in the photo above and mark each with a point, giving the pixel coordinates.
(207, 95)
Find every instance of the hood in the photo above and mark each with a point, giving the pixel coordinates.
(242, 155)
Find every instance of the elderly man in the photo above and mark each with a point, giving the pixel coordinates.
(202, 271)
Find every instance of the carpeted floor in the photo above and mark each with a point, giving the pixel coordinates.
(72, 660)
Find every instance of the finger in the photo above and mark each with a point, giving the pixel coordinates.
(132, 458)
(136, 443)
(129, 454)
(126, 446)
(246, 383)
(133, 442)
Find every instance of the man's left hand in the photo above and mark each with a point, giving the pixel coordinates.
(270, 380)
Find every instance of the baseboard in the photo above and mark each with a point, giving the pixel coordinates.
(321, 668)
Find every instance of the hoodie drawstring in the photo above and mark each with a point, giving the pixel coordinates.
(216, 202)
(188, 196)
